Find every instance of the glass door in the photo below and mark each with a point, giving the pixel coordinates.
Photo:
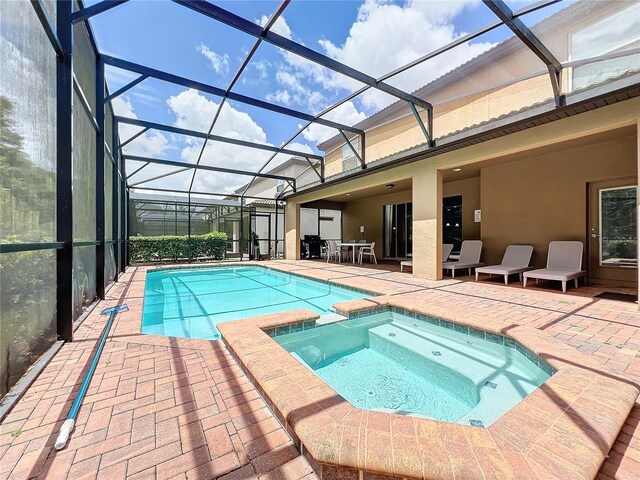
(613, 239)
(452, 221)
(397, 230)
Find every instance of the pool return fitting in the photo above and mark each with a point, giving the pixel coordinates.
(70, 422)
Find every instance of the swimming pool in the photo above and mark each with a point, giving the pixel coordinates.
(399, 363)
(191, 302)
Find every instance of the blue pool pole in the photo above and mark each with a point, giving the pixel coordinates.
(70, 422)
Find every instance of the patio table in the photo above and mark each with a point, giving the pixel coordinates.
(353, 248)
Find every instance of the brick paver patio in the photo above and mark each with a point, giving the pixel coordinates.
(161, 407)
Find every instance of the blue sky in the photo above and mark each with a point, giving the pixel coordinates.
(373, 36)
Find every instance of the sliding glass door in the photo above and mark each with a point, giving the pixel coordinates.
(397, 230)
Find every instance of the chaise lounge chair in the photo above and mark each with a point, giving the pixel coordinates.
(564, 263)
(469, 257)
(446, 251)
(516, 260)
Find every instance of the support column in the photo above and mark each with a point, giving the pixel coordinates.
(638, 202)
(292, 230)
(64, 168)
(100, 226)
(115, 180)
(427, 223)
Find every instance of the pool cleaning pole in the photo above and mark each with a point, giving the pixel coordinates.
(70, 422)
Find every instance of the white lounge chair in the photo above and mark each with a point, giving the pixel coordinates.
(564, 263)
(470, 252)
(516, 260)
(446, 251)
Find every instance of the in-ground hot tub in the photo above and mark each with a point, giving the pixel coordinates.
(410, 364)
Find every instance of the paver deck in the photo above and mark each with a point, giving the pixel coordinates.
(163, 407)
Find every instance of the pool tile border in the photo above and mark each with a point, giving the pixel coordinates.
(266, 267)
(496, 338)
(562, 430)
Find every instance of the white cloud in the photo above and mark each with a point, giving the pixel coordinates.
(150, 144)
(280, 27)
(194, 111)
(301, 147)
(386, 36)
(219, 63)
(346, 114)
(294, 92)
(293, 72)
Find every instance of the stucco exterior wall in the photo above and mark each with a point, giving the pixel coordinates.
(368, 212)
(544, 198)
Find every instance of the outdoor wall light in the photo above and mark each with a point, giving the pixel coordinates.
(457, 169)
(390, 186)
(361, 229)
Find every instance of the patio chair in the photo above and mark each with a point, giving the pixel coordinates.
(446, 251)
(469, 257)
(333, 250)
(368, 251)
(516, 260)
(346, 251)
(564, 263)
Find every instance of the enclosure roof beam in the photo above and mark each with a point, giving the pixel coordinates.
(219, 92)
(212, 194)
(85, 103)
(520, 30)
(251, 28)
(88, 12)
(353, 150)
(136, 170)
(215, 138)
(157, 177)
(128, 86)
(41, 13)
(173, 163)
(235, 78)
(133, 137)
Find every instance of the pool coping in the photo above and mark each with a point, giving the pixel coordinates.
(564, 429)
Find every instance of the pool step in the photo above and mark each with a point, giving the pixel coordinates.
(328, 318)
(423, 356)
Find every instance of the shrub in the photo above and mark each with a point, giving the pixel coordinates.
(619, 248)
(169, 247)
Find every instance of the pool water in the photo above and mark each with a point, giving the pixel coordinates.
(191, 302)
(394, 362)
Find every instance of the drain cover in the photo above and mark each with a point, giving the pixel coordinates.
(415, 325)
(371, 394)
(490, 385)
(437, 353)
(476, 423)
(391, 334)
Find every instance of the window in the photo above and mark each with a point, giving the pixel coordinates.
(280, 186)
(611, 35)
(349, 159)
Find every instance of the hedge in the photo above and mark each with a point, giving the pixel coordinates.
(169, 247)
